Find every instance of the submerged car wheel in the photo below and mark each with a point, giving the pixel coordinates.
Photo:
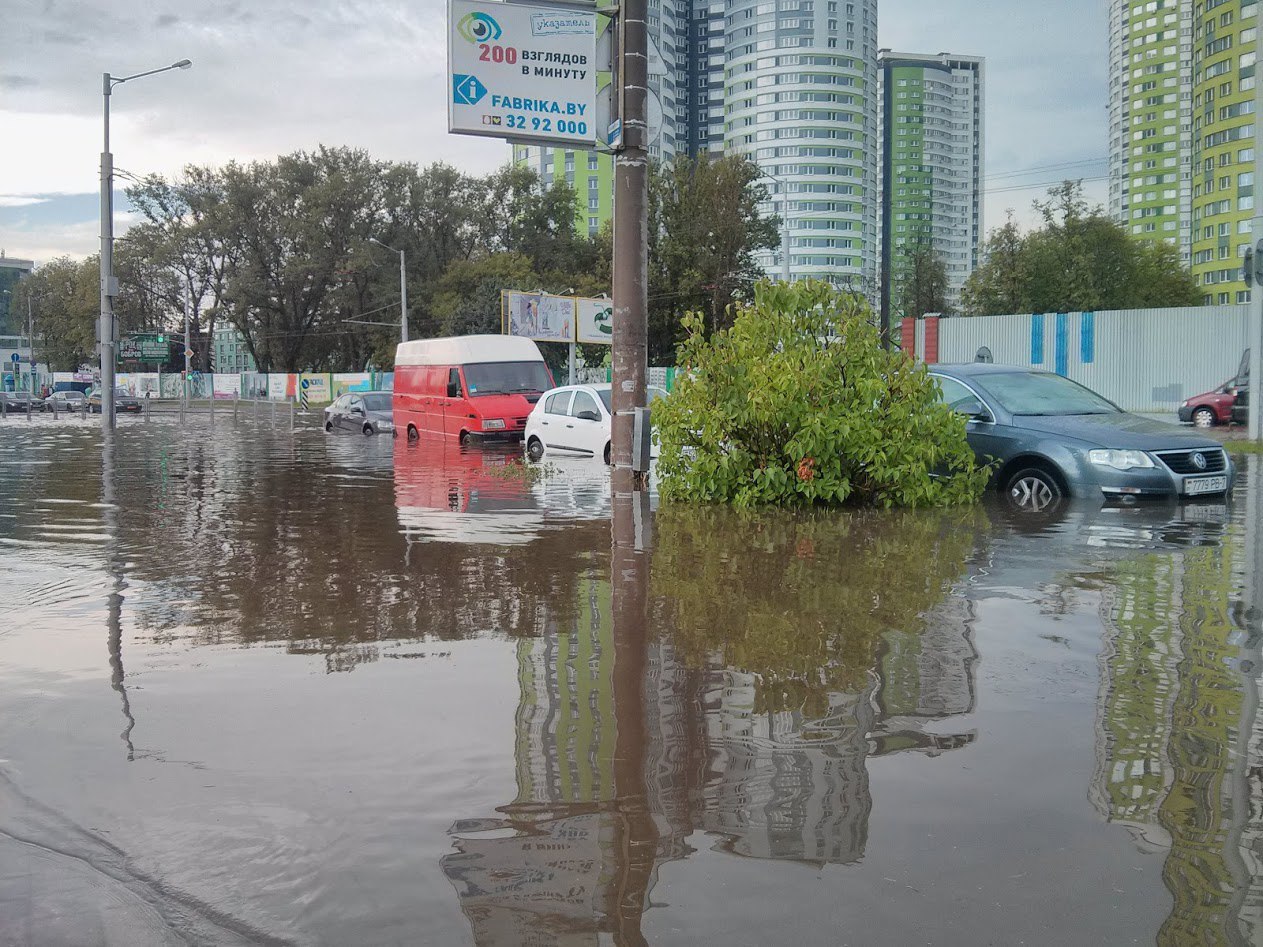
(1033, 490)
(329, 427)
(413, 433)
(1203, 417)
(368, 429)
(607, 455)
(535, 449)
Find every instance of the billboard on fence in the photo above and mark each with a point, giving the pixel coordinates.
(319, 388)
(594, 321)
(350, 381)
(280, 387)
(538, 316)
(226, 386)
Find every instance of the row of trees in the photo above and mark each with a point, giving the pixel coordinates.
(281, 250)
(1077, 259)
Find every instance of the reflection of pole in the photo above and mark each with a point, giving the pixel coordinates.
(1250, 664)
(636, 835)
(631, 228)
(114, 565)
(188, 342)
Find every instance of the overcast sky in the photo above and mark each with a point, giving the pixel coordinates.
(274, 76)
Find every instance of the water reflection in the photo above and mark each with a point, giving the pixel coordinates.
(696, 693)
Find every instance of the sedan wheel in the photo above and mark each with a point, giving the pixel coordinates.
(1203, 417)
(1033, 490)
(329, 426)
(535, 449)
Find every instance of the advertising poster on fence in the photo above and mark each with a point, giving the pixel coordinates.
(539, 316)
(351, 381)
(226, 387)
(319, 390)
(280, 387)
(594, 319)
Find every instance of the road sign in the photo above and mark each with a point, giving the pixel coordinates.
(522, 72)
(302, 394)
(16, 357)
(140, 347)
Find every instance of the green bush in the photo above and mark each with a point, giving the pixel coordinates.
(798, 404)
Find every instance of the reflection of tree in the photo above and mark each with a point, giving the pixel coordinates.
(802, 602)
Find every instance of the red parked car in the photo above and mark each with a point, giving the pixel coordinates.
(1225, 405)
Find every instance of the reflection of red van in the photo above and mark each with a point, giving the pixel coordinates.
(468, 386)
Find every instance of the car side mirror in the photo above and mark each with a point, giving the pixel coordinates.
(453, 389)
(972, 409)
(358, 410)
(588, 416)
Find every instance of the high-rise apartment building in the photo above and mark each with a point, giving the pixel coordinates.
(1182, 131)
(792, 85)
(932, 161)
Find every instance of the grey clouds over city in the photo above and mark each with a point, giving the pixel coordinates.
(272, 76)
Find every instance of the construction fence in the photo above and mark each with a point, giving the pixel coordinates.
(1147, 360)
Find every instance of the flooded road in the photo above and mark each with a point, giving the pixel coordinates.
(263, 687)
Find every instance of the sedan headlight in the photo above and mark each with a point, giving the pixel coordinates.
(1121, 459)
(386, 425)
(493, 424)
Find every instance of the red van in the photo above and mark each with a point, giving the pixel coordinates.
(468, 386)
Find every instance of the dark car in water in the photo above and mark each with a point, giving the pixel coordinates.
(23, 402)
(1051, 438)
(365, 412)
(124, 402)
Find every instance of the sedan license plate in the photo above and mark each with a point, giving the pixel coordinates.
(1199, 485)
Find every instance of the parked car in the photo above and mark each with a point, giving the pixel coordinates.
(1227, 404)
(66, 401)
(1052, 438)
(366, 412)
(124, 402)
(575, 420)
(472, 386)
(21, 401)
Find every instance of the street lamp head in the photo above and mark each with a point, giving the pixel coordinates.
(182, 64)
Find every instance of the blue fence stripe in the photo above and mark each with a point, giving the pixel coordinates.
(1037, 339)
(1087, 338)
(1063, 344)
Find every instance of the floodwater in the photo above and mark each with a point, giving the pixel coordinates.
(269, 687)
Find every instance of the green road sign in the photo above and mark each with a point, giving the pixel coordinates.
(144, 348)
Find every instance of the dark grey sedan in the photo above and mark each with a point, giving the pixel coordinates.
(22, 402)
(366, 412)
(1053, 438)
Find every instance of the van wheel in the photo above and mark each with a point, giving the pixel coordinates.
(464, 437)
(535, 449)
(1203, 417)
(413, 434)
(607, 454)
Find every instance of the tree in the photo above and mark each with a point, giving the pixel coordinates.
(467, 297)
(66, 303)
(921, 285)
(798, 404)
(1078, 260)
(704, 231)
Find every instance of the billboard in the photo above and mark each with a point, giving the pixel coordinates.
(594, 321)
(522, 72)
(538, 316)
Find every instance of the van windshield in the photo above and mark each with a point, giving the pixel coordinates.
(498, 378)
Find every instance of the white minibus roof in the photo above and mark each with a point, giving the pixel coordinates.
(467, 350)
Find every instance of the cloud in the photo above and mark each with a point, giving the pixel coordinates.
(11, 200)
(275, 76)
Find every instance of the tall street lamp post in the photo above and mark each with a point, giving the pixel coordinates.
(108, 284)
(403, 288)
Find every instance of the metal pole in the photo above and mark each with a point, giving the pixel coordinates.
(570, 364)
(403, 298)
(1254, 419)
(107, 267)
(631, 225)
(30, 334)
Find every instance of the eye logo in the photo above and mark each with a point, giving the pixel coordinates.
(479, 28)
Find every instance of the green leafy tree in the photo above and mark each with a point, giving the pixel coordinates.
(467, 297)
(65, 297)
(704, 231)
(1079, 259)
(798, 404)
(921, 281)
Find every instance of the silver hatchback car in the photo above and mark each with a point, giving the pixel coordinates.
(1053, 438)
